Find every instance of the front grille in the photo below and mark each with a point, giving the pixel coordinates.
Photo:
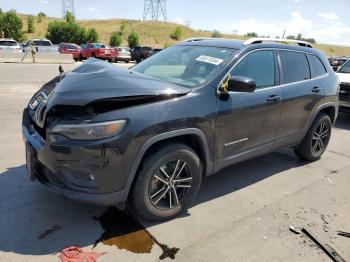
(344, 93)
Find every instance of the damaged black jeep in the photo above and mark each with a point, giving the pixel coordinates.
(145, 137)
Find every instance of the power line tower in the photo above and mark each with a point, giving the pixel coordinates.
(67, 6)
(156, 9)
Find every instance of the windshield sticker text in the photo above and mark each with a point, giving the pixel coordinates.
(209, 59)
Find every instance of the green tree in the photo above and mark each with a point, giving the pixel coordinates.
(41, 15)
(291, 37)
(251, 34)
(115, 39)
(299, 36)
(177, 34)
(133, 39)
(92, 35)
(1, 25)
(59, 32)
(12, 25)
(30, 23)
(70, 18)
(123, 27)
(216, 34)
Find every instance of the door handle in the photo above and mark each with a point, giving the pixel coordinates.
(273, 99)
(316, 89)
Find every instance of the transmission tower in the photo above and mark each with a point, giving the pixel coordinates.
(155, 9)
(67, 6)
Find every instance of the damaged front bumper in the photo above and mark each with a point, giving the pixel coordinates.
(93, 172)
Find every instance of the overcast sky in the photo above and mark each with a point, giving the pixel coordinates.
(328, 21)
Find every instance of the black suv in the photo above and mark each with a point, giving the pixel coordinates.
(145, 137)
(140, 53)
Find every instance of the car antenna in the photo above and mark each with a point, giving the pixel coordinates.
(60, 69)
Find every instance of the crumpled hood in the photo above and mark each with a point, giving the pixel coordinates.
(96, 80)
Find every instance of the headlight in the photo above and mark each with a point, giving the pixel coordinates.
(90, 131)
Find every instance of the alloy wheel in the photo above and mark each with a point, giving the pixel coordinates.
(320, 138)
(170, 184)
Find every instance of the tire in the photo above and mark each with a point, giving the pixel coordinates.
(76, 59)
(316, 139)
(146, 200)
(127, 61)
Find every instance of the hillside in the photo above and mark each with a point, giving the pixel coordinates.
(155, 34)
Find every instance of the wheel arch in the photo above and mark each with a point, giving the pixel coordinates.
(193, 137)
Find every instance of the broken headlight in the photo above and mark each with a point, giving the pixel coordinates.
(90, 131)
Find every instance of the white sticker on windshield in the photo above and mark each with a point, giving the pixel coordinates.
(209, 59)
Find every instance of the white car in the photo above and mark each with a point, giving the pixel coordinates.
(344, 79)
(41, 45)
(9, 45)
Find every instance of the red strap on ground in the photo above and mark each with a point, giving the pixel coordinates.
(76, 254)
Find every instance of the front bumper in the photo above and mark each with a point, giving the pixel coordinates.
(87, 172)
(344, 95)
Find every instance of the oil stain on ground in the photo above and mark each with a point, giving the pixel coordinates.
(125, 232)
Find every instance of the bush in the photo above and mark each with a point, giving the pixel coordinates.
(92, 36)
(177, 34)
(252, 34)
(216, 34)
(1, 26)
(123, 27)
(11, 25)
(30, 23)
(133, 39)
(70, 18)
(41, 15)
(115, 39)
(59, 32)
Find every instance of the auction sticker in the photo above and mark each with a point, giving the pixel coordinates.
(209, 59)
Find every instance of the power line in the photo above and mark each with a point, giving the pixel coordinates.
(67, 6)
(155, 9)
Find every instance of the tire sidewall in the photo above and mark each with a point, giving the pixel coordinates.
(151, 167)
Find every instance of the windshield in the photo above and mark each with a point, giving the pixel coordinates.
(41, 43)
(345, 68)
(188, 66)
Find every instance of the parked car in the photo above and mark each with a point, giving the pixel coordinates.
(70, 48)
(9, 45)
(145, 137)
(99, 51)
(344, 92)
(123, 54)
(141, 53)
(41, 45)
(337, 62)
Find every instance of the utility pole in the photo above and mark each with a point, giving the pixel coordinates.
(67, 6)
(155, 9)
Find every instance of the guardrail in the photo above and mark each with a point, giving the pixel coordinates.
(40, 58)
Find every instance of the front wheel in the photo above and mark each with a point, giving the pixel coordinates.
(316, 140)
(166, 183)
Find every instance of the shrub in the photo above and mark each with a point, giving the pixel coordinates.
(41, 15)
(252, 34)
(11, 25)
(177, 34)
(133, 39)
(92, 36)
(216, 34)
(30, 23)
(115, 39)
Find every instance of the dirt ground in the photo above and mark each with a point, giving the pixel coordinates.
(241, 214)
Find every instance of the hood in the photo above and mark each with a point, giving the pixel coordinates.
(344, 77)
(96, 80)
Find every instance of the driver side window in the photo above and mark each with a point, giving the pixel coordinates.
(259, 66)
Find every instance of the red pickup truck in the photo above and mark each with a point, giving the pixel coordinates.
(99, 51)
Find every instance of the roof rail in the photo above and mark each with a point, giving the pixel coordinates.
(194, 39)
(260, 40)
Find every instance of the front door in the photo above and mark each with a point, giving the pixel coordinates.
(247, 123)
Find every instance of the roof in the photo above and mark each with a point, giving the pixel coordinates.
(7, 39)
(238, 44)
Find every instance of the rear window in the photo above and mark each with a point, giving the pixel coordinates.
(8, 43)
(295, 67)
(71, 46)
(98, 46)
(42, 43)
(317, 66)
(345, 68)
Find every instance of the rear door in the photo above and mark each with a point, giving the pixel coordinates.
(302, 94)
(247, 123)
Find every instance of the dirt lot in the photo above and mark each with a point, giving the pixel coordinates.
(241, 214)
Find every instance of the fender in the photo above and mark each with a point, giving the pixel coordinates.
(188, 131)
(318, 110)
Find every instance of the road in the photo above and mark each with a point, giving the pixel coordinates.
(241, 214)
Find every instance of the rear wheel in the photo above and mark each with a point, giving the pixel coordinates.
(316, 140)
(166, 183)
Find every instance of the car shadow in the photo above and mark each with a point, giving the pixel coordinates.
(343, 121)
(28, 209)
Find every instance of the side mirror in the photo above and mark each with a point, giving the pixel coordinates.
(241, 84)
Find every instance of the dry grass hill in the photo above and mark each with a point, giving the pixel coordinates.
(155, 34)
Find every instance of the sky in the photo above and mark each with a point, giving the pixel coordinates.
(328, 21)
